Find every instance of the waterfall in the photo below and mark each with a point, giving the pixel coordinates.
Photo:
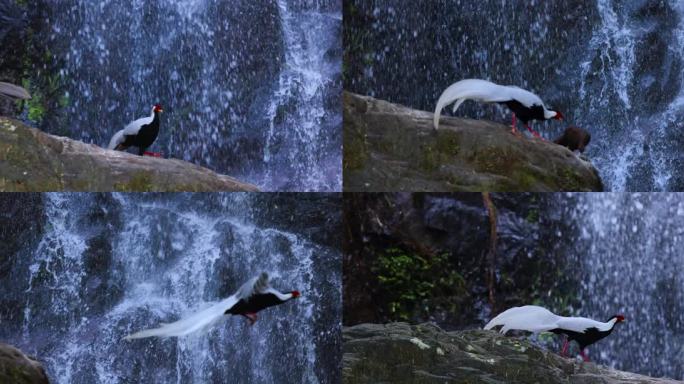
(614, 68)
(109, 265)
(297, 111)
(248, 88)
(630, 251)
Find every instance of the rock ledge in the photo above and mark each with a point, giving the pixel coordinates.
(403, 353)
(34, 161)
(389, 147)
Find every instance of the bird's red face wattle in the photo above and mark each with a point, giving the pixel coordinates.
(559, 116)
(158, 108)
(295, 294)
(620, 318)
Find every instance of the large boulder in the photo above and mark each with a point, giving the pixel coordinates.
(388, 147)
(402, 353)
(17, 368)
(31, 160)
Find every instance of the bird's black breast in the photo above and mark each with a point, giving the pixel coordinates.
(254, 304)
(146, 135)
(525, 114)
(586, 338)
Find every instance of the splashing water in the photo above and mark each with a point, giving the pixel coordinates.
(629, 247)
(248, 88)
(107, 266)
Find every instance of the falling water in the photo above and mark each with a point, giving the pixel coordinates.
(630, 247)
(613, 67)
(308, 78)
(249, 88)
(109, 265)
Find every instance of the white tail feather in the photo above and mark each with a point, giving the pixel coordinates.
(199, 322)
(527, 318)
(117, 139)
(470, 89)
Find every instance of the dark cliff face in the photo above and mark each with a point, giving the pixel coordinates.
(607, 66)
(452, 231)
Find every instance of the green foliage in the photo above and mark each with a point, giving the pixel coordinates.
(416, 286)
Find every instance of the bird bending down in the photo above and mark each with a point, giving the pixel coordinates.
(252, 297)
(140, 133)
(524, 104)
(537, 319)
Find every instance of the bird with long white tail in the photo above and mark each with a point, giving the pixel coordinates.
(525, 105)
(252, 297)
(536, 319)
(140, 133)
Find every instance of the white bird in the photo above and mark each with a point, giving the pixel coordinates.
(536, 319)
(524, 104)
(253, 296)
(140, 133)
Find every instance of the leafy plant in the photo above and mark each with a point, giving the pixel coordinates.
(415, 287)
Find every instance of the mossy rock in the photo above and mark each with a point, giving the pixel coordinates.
(389, 147)
(17, 368)
(31, 160)
(402, 353)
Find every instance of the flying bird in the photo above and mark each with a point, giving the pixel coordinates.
(524, 104)
(252, 297)
(537, 319)
(140, 133)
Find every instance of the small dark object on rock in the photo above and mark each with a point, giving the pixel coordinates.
(574, 138)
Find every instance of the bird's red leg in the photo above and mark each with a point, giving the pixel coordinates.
(565, 347)
(584, 356)
(252, 317)
(514, 130)
(153, 154)
(535, 133)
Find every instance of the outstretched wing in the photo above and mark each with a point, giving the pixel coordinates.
(257, 284)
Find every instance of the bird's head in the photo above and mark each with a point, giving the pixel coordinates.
(295, 294)
(558, 116)
(157, 108)
(618, 318)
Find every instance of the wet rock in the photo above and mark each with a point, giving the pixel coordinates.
(17, 368)
(403, 353)
(31, 160)
(391, 147)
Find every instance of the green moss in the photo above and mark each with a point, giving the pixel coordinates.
(416, 286)
(140, 182)
(355, 150)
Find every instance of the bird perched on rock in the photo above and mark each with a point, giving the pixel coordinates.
(524, 104)
(252, 297)
(140, 133)
(574, 138)
(537, 319)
